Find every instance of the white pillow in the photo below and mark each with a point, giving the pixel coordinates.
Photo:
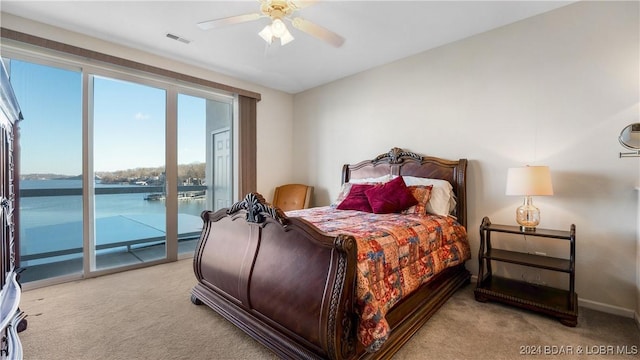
(346, 187)
(381, 179)
(442, 201)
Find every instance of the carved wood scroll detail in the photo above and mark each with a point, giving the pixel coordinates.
(396, 156)
(258, 209)
(347, 244)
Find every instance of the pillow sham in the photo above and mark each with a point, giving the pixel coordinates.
(356, 199)
(390, 197)
(442, 201)
(380, 179)
(422, 194)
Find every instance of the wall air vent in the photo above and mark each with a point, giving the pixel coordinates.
(176, 37)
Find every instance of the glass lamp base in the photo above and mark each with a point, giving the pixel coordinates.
(527, 215)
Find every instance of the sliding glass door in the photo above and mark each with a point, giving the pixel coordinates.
(205, 162)
(129, 173)
(51, 202)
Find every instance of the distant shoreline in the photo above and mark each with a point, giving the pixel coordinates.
(52, 177)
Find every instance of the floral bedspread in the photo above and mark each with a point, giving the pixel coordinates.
(396, 254)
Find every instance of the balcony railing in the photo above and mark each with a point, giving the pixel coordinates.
(147, 229)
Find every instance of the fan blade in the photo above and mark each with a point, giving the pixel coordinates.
(212, 24)
(318, 31)
(302, 3)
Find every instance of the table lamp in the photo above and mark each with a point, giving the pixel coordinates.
(529, 181)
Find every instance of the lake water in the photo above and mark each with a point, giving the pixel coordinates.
(51, 223)
(47, 210)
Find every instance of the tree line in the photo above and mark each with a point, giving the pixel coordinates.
(185, 172)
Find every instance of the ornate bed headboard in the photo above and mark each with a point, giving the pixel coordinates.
(401, 162)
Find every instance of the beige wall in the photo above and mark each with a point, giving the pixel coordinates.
(555, 89)
(275, 110)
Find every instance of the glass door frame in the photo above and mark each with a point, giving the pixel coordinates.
(89, 232)
(26, 55)
(172, 152)
(171, 162)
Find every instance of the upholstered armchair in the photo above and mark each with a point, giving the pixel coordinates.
(292, 197)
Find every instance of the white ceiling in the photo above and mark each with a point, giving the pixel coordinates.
(376, 32)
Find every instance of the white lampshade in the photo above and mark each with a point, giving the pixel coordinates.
(529, 180)
(278, 28)
(266, 34)
(286, 37)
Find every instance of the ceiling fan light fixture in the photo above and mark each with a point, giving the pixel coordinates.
(278, 11)
(277, 29)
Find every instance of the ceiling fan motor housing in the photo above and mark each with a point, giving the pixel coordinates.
(277, 9)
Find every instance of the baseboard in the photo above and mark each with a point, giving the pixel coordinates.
(594, 305)
(607, 308)
(31, 285)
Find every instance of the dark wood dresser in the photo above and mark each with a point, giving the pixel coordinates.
(11, 317)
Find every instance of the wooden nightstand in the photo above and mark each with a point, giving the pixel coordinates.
(560, 303)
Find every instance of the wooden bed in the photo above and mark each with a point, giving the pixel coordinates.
(292, 287)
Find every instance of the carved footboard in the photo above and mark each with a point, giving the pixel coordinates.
(279, 279)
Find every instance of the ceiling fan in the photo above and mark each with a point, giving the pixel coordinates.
(279, 11)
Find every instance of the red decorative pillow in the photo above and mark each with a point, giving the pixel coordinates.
(422, 193)
(357, 199)
(390, 197)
